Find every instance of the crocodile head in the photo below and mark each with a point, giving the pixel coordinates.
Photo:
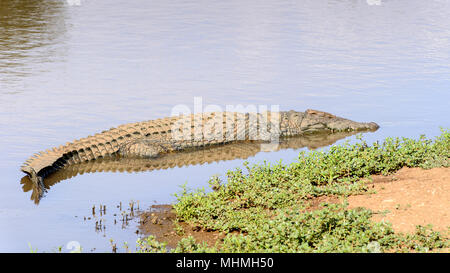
(311, 121)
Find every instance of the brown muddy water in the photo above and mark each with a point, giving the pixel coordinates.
(68, 71)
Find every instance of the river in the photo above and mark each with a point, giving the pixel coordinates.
(69, 69)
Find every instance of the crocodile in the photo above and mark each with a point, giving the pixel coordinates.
(232, 151)
(155, 138)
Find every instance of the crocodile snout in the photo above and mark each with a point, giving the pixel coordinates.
(373, 126)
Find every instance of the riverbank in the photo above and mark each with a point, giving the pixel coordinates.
(353, 198)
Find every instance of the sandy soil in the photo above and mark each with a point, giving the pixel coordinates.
(410, 197)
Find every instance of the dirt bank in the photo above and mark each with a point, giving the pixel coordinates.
(410, 197)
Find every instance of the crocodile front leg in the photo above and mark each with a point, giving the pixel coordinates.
(143, 148)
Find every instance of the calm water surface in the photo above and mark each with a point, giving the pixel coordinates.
(67, 71)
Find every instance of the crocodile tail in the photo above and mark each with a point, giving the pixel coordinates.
(107, 143)
(43, 163)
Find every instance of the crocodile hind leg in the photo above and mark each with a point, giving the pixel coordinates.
(142, 148)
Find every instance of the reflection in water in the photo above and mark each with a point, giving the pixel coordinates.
(29, 33)
(239, 150)
(112, 62)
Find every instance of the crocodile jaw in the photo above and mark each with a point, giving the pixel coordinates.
(341, 124)
(316, 121)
